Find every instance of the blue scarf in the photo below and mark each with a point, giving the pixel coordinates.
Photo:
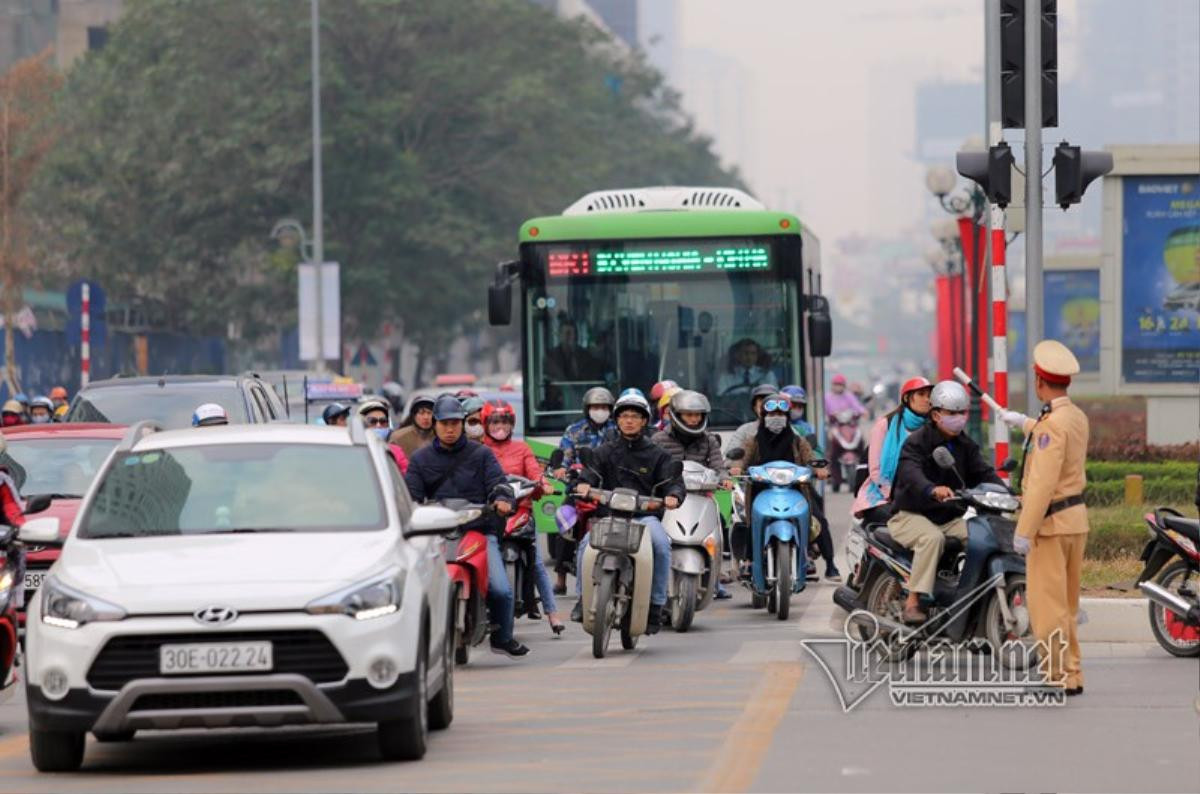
(898, 429)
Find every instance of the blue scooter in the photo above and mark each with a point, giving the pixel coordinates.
(780, 523)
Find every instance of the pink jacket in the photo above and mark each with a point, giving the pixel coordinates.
(399, 456)
(515, 457)
(862, 500)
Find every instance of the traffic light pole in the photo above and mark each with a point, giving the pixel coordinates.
(995, 235)
(1033, 190)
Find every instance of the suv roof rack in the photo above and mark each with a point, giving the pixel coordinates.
(137, 432)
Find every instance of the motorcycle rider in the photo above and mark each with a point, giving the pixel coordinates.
(774, 440)
(377, 418)
(839, 399)
(797, 416)
(59, 395)
(417, 429)
(516, 457)
(745, 432)
(11, 512)
(872, 504)
(209, 415)
(590, 431)
(658, 389)
(336, 414)
(687, 438)
(923, 491)
(473, 424)
(630, 460)
(451, 467)
(12, 414)
(41, 410)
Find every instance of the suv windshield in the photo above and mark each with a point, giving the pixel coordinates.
(720, 335)
(64, 467)
(170, 405)
(236, 488)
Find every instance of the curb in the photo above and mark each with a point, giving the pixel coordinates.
(1115, 620)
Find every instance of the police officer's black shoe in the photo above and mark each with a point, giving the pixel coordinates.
(577, 612)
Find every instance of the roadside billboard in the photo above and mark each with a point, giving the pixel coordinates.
(1071, 306)
(1160, 323)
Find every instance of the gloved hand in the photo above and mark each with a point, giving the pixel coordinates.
(1013, 418)
(1021, 545)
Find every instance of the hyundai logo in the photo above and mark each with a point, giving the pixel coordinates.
(215, 616)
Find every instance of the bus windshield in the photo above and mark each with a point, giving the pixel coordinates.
(719, 333)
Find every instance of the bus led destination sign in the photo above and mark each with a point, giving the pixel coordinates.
(710, 256)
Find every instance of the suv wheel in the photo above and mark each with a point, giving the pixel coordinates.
(404, 739)
(441, 708)
(56, 751)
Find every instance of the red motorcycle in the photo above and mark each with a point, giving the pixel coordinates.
(11, 583)
(517, 545)
(468, 569)
(847, 449)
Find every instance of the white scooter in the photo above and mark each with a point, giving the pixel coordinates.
(696, 546)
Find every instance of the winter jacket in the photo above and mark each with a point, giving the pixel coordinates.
(738, 439)
(704, 449)
(411, 438)
(467, 470)
(636, 464)
(397, 453)
(584, 433)
(917, 474)
(515, 457)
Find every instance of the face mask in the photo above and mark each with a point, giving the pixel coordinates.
(41, 420)
(797, 415)
(776, 423)
(501, 432)
(382, 432)
(952, 424)
(475, 431)
(599, 415)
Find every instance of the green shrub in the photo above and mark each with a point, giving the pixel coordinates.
(1102, 470)
(1156, 491)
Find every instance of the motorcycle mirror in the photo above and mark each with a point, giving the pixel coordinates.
(943, 458)
(737, 453)
(556, 458)
(1009, 465)
(37, 504)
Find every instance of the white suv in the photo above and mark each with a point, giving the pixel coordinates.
(243, 576)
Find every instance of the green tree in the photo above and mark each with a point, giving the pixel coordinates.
(445, 125)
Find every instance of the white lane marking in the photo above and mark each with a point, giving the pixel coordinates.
(821, 617)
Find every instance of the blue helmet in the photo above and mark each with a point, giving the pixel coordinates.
(795, 393)
(448, 407)
(22, 398)
(333, 411)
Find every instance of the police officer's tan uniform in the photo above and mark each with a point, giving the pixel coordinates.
(1053, 517)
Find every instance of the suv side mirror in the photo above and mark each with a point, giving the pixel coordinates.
(438, 520)
(820, 327)
(39, 531)
(38, 504)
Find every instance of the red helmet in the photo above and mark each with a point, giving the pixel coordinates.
(497, 409)
(914, 384)
(657, 390)
(839, 380)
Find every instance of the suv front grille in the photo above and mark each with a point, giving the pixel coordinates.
(175, 701)
(306, 652)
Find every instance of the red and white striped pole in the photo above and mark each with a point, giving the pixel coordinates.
(999, 334)
(85, 333)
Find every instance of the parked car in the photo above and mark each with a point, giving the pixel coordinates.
(170, 400)
(58, 461)
(243, 576)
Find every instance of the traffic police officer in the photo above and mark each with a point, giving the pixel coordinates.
(1053, 525)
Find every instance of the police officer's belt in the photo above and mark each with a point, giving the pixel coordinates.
(1063, 504)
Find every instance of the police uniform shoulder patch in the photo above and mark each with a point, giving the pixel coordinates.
(1043, 440)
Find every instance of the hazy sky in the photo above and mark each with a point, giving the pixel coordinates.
(814, 99)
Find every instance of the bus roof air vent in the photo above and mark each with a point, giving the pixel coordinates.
(651, 199)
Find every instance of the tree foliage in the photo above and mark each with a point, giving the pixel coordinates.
(445, 125)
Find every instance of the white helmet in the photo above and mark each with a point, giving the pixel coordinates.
(632, 399)
(949, 395)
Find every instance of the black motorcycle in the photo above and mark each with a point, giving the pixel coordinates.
(979, 593)
(1173, 536)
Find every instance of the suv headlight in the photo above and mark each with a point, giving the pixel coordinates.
(66, 608)
(373, 598)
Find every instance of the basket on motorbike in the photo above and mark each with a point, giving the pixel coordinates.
(617, 534)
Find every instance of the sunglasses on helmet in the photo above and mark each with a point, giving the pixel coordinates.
(777, 404)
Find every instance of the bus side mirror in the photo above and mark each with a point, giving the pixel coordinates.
(820, 327)
(500, 304)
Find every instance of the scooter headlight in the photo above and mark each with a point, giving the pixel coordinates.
(623, 502)
(781, 476)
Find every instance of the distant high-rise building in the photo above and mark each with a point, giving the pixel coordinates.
(620, 16)
(71, 27)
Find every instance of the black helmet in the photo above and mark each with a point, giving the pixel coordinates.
(333, 411)
(448, 407)
(688, 401)
(762, 391)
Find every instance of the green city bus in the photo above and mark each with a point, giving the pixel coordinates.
(703, 286)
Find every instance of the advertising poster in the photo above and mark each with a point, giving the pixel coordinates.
(1161, 280)
(1016, 343)
(1071, 306)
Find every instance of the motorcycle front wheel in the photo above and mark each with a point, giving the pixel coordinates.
(1014, 649)
(785, 555)
(683, 611)
(605, 613)
(1176, 637)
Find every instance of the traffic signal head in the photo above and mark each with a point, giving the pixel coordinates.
(991, 170)
(1074, 170)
